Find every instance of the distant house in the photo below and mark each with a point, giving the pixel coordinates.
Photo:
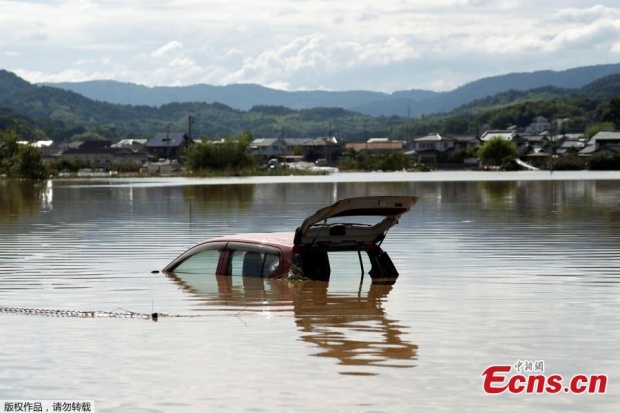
(327, 148)
(606, 141)
(90, 144)
(133, 144)
(104, 157)
(464, 142)
(168, 145)
(292, 143)
(274, 147)
(536, 155)
(539, 125)
(428, 147)
(508, 134)
(268, 147)
(567, 143)
(375, 145)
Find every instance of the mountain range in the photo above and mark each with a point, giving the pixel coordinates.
(581, 94)
(407, 103)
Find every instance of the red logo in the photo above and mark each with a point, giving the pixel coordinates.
(499, 379)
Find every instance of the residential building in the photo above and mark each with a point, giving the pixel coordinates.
(535, 155)
(104, 157)
(376, 145)
(327, 148)
(606, 141)
(275, 147)
(268, 147)
(426, 148)
(508, 134)
(464, 142)
(539, 125)
(133, 144)
(168, 145)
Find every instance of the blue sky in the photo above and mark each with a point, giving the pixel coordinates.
(303, 44)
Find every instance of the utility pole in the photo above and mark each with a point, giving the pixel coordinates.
(168, 143)
(329, 146)
(553, 142)
(190, 122)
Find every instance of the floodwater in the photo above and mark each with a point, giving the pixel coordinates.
(495, 269)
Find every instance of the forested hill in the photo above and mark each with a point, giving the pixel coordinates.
(401, 103)
(42, 111)
(55, 111)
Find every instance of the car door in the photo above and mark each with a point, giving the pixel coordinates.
(252, 260)
(352, 222)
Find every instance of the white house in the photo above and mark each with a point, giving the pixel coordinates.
(507, 134)
(539, 125)
(427, 147)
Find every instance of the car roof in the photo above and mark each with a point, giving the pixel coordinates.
(277, 239)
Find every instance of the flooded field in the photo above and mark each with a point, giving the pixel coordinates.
(495, 269)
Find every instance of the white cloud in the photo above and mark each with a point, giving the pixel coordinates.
(297, 44)
(70, 75)
(586, 15)
(310, 56)
(598, 34)
(168, 49)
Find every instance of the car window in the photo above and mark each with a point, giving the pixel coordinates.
(348, 262)
(252, 263)
(320, 264)
(272, 261)
(203, 262)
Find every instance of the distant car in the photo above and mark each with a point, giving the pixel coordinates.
(273, 164)
(307, 251)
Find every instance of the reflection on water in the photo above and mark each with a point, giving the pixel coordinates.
(205, 198)
(350, 327)
(498, 192)
(19, 199)
(353, 329)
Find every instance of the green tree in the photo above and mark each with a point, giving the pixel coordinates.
(604, 162)
(497, 151)
(8, 149)
(27, 164)
(393, 161)
(569, 162)
(19, 161)
(231, 154)
(501, 120)
(612, 113)
(8, 144)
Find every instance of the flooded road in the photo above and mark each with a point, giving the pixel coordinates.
(494, 269)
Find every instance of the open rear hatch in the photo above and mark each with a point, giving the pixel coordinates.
(330, 227)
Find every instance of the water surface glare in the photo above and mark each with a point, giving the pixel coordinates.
(494, 268)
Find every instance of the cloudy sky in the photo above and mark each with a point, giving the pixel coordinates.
(379, 45)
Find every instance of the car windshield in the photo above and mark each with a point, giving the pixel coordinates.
(203, 262)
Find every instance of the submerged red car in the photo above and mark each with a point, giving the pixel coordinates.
(309, 251)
